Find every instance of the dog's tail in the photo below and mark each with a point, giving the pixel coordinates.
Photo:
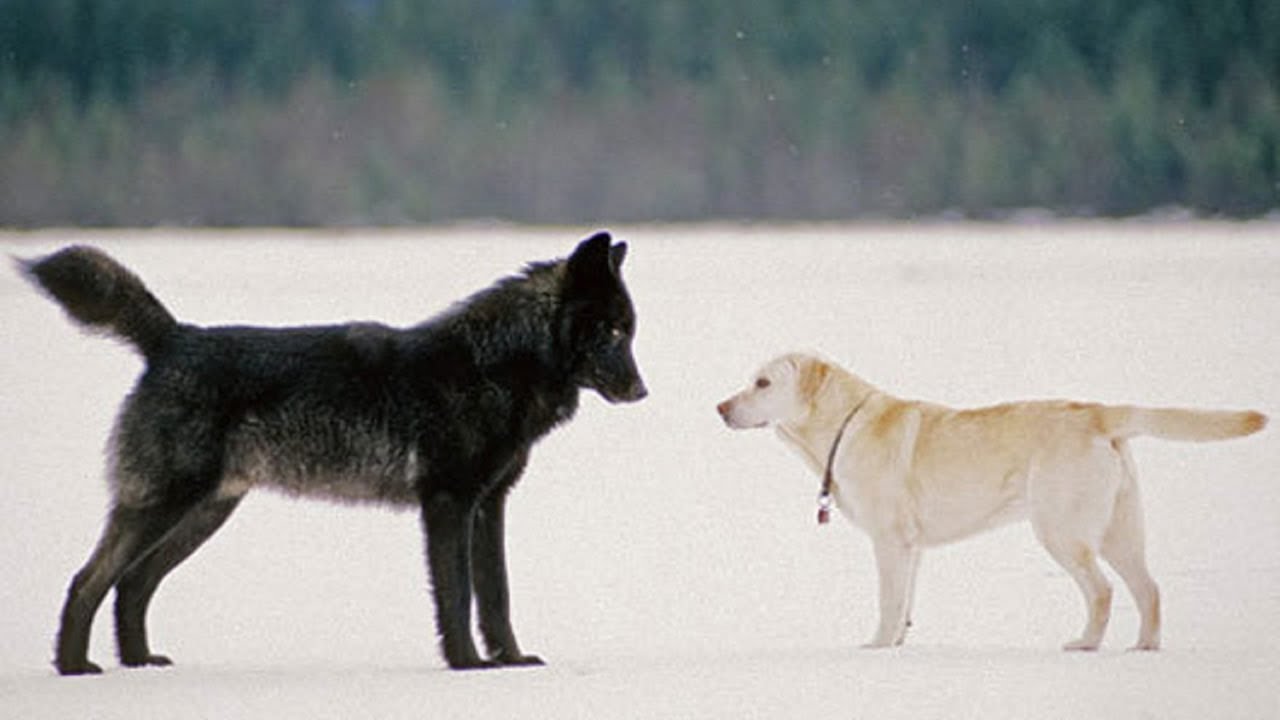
(104, 296)
(1178, 424)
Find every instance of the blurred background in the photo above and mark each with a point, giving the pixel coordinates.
(387, 112)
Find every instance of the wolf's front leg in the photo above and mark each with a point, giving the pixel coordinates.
(447, 523)
(489, 569)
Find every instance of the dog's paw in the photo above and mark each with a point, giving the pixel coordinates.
(1081, 645)
(879, 645)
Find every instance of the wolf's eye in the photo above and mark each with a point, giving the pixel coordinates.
(762, 383)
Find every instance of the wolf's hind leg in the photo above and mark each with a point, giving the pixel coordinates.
(128, 534)
(139, 583)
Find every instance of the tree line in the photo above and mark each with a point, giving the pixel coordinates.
(233, 112)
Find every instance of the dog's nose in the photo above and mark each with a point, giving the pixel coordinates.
(723, 408)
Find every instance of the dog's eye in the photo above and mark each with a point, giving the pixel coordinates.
(617, 335)
(762, 383)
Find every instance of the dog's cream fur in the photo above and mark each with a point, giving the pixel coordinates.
(914, 474)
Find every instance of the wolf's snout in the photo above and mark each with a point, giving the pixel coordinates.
(634, 392)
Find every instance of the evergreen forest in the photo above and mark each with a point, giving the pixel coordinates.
(347, 112)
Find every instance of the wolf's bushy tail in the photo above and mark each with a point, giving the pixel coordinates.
(1179, 424)
(103, 295)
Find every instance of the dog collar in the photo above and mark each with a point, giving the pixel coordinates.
(828, 476)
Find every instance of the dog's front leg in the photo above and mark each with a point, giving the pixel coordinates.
(489, 569)
(913, 572)
(895, 562)
(447, 521)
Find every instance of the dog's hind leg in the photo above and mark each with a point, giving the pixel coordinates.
(139, 583)
(1124, 547)
(1131, 564)
(1073, 499)
(447, 521)
(1080, 561)
(129, 532)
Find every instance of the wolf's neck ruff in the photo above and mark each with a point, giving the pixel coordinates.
(828, 479)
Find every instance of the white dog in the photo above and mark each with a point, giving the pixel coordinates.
(914, 474)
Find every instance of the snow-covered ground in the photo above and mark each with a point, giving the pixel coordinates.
(663, 565)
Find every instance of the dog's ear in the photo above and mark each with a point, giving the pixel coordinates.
(813, 373)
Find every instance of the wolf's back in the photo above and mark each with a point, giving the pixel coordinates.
(103, 295)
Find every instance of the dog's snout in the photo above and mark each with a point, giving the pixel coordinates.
(724, 408)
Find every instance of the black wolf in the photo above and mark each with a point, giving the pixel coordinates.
(440, 416)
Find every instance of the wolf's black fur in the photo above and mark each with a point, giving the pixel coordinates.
(440, 416)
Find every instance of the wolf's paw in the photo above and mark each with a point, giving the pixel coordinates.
(150, 660)
(526, 660)
(473, 664)
(78, 667)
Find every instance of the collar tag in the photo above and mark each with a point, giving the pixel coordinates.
(824, 508)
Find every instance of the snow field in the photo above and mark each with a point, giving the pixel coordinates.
(663, 565)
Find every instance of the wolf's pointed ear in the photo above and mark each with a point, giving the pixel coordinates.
(617, 254)
(592, 257)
